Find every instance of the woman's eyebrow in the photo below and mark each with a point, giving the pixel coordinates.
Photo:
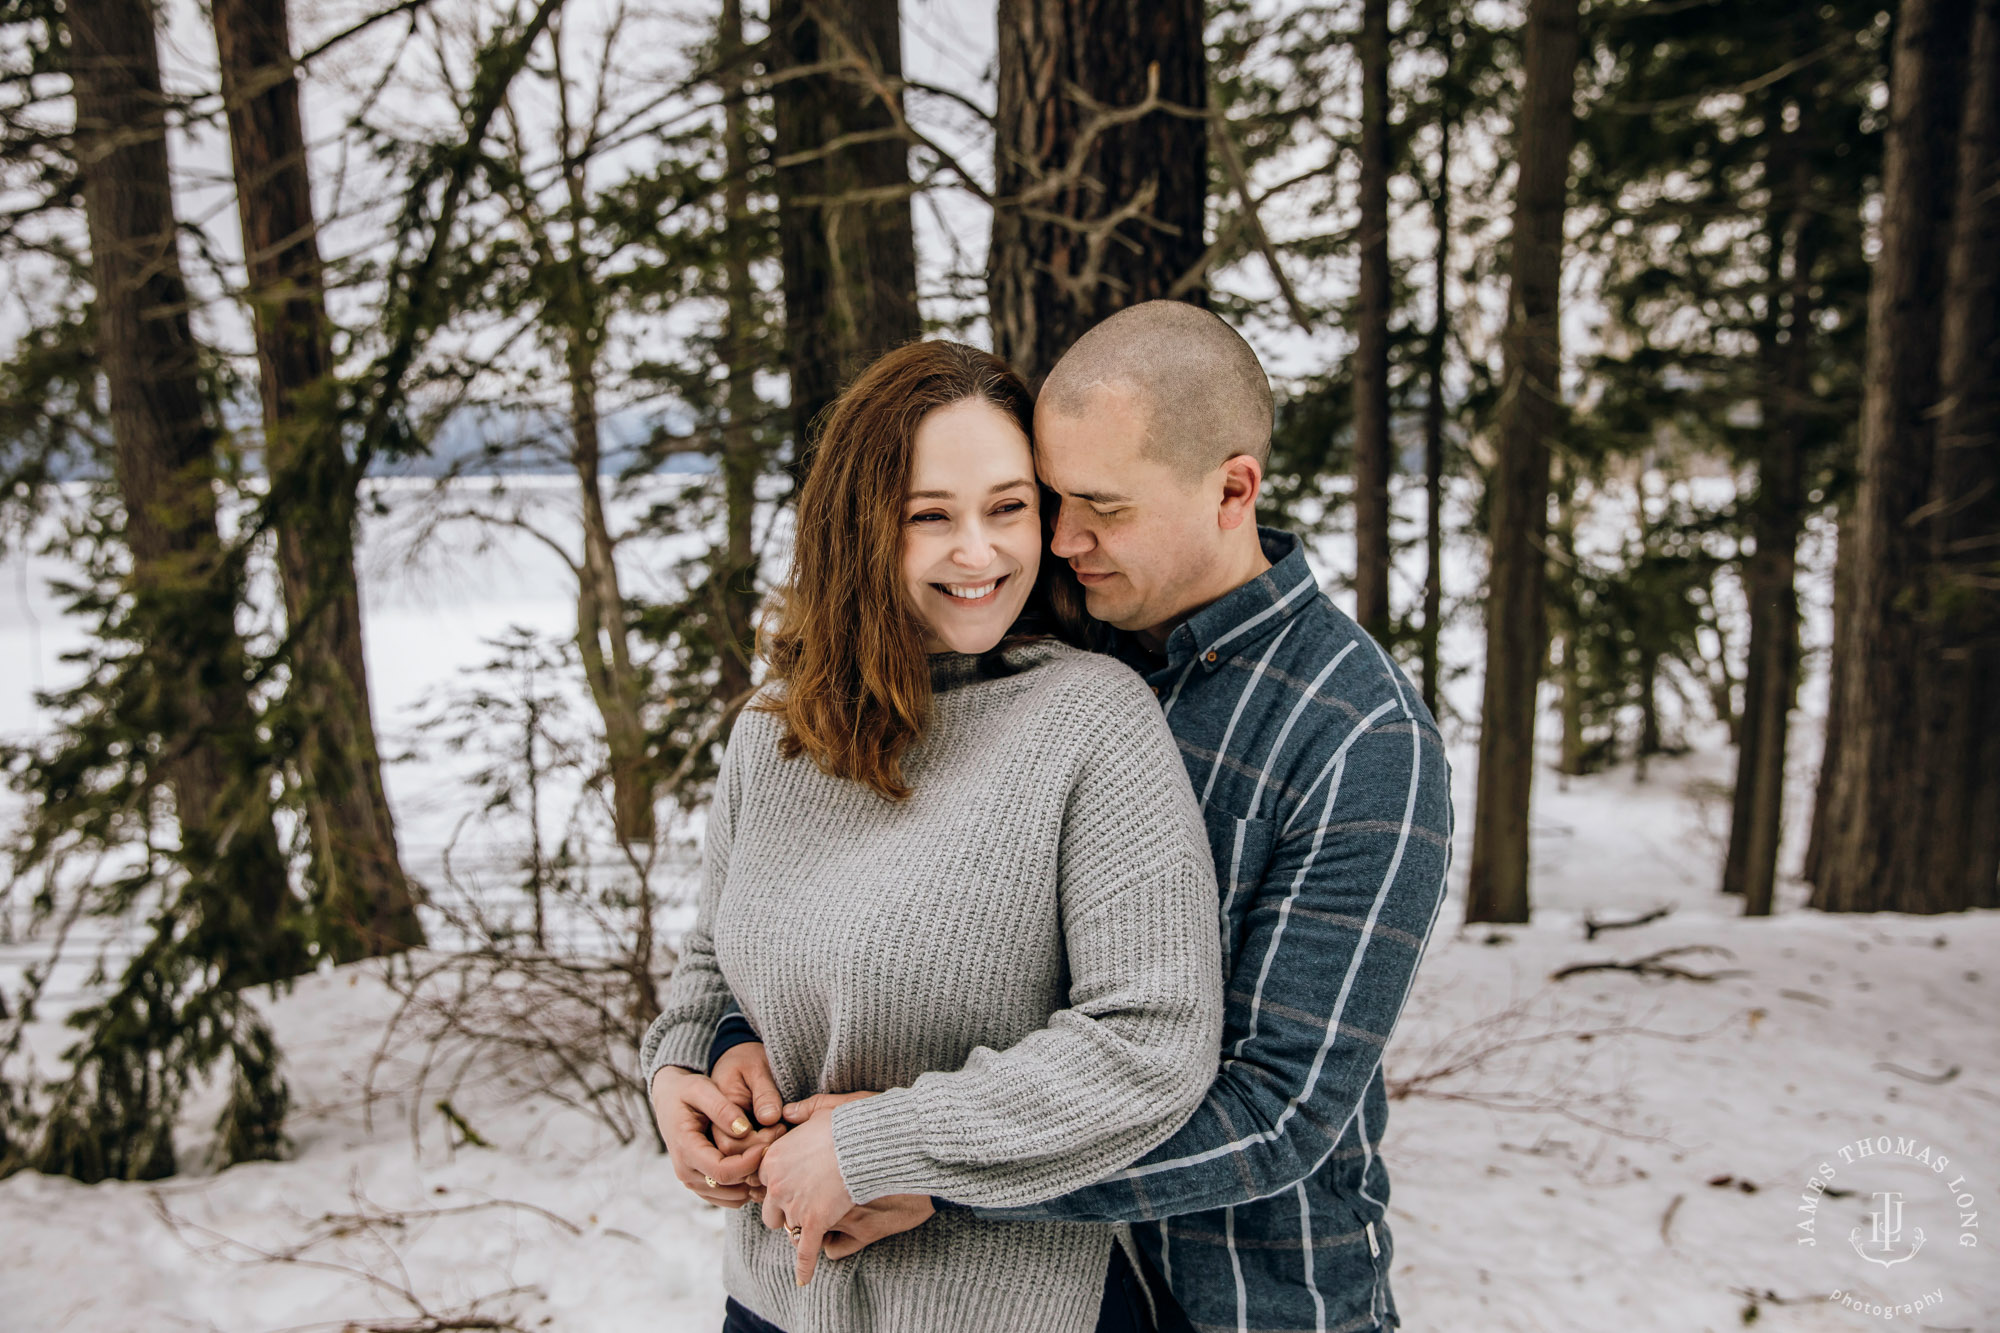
(953, 495)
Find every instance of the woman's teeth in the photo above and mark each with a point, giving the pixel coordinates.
(971, 592)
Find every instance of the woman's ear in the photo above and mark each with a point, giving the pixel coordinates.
(1242, 479)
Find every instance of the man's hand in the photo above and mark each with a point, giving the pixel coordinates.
(866, 1223)
(804, 1192)
(797, 1113)
(743, 1075)
(685, 1106)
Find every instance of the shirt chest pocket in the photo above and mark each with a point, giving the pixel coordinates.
(1242, 851)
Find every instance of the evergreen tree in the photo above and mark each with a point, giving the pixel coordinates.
(166, 709)
(1908, 825)
(365, 902)
(1373, 455)
(1729, 223)
(1531, 414)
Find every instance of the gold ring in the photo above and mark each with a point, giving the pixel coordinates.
(795, 1232)
(711, 1181)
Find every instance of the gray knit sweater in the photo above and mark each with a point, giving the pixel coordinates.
(1024, 952)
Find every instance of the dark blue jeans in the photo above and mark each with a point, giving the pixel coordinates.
(1123, 1311)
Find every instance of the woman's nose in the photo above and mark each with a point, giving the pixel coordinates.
(974, 551)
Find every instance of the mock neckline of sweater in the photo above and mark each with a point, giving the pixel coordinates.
(950, 670)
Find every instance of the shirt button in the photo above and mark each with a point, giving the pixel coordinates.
(1211, 657)
(1156, 691)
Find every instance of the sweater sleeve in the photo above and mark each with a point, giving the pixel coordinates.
(697, 997)
(1118, 1069)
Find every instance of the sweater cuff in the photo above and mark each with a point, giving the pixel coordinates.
(876, 1147)
(684, 1044)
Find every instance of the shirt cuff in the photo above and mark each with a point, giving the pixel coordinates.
(733, 1030)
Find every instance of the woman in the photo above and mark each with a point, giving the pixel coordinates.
(952, 856)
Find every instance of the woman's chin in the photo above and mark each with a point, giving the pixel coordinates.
(965, 642)
(970, 636)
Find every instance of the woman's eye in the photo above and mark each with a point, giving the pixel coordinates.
(1011, 507)
(925, 518)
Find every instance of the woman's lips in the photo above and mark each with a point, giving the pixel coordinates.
(992, 593)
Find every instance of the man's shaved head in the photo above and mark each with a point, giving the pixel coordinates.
(1204, 394)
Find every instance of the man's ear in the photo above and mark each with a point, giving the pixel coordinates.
(1242, 478)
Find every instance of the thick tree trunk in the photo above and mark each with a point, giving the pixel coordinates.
(735, 574)
(365, 900)
(1883, 827)
(1091, 216)
(1962, 693)
(1434, 358)
(1769, 575)
(183, 590)
(843, 178)
(1518, 509)
(1373, 458)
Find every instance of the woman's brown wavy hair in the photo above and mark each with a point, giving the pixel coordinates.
(843, 641)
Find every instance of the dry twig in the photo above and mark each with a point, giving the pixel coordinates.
(1655, 965)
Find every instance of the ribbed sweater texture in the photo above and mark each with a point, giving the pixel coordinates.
(1023, 953)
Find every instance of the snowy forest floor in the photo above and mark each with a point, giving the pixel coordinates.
(1608, 1151)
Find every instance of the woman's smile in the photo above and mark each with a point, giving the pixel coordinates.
(973, 594)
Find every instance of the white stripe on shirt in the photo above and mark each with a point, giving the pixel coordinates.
(1277, 1129)
(1242, 701)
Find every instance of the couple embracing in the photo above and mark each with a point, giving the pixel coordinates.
(1064, 881)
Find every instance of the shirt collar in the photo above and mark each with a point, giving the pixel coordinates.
(1245, 616)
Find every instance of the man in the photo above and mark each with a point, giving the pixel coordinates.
(1326, 794)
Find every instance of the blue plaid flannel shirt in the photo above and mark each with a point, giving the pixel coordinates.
(1327, 798)
(1324, 786)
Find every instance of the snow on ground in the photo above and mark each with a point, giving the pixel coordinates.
(1607, 1151)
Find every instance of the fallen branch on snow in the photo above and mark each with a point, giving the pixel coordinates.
(1655, 965)
(1592, 926)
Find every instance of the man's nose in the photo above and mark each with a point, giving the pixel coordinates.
(1070, 538)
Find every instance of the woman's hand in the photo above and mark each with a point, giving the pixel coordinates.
(804, 1192)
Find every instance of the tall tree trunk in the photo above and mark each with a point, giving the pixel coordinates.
(1089, 216)
(1820, 836)
(1649, 657)
(1434, 358)
(1372, 457)
(1769, 575)
(365, 899)
(1962, 692)
(1567, 629)
(603, 633)
(1886, 790)
(843, 178)
(1518, 509)
(736, 574)
(183, 586)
